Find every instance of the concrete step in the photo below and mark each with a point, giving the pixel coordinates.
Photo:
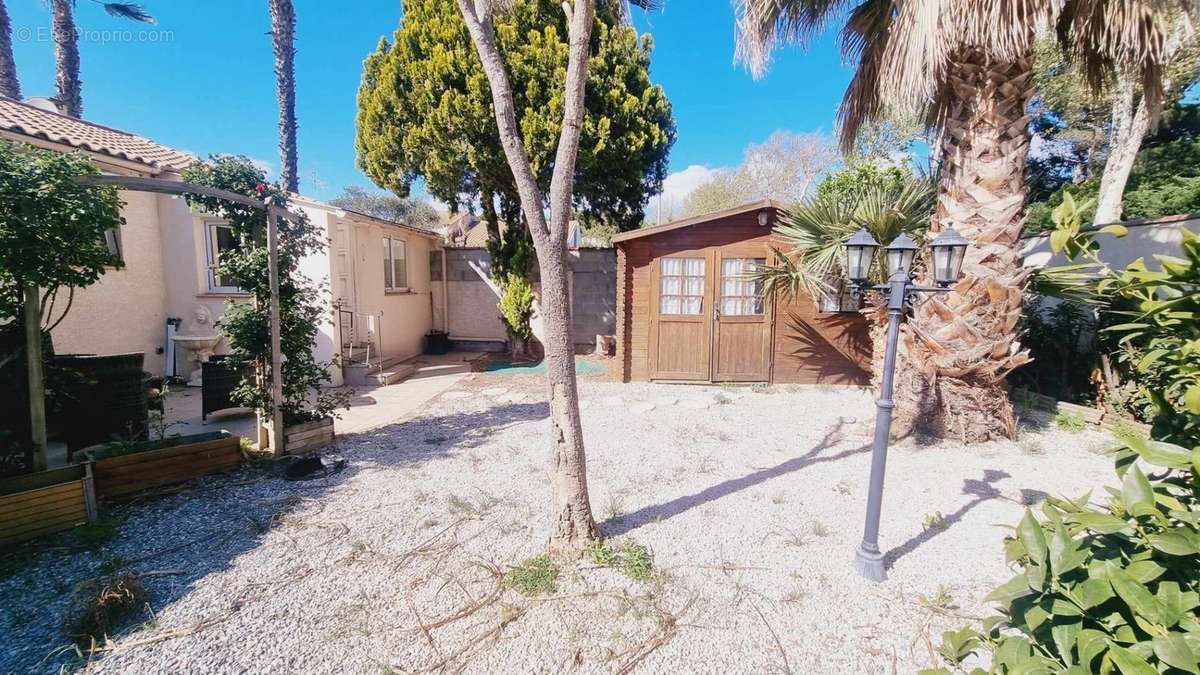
(394, 374)
(389, 369)
(434, 370)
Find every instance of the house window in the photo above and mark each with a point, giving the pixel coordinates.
(681, 286)
(112, 241)
(220, 238)
(741, 296)
(395, 264)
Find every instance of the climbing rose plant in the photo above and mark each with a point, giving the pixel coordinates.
(246, 325)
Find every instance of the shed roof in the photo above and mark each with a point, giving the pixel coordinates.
(27, 120)
(697, 220)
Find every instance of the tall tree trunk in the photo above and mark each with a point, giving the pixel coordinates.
(10, 86)
(959, 346)
(487, 201)
(66, 58)
(283, 40)
(574, 526)
(1129, 127)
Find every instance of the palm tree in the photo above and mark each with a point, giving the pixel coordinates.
(66, 48)
(964, 66)
(9, 85)
(283, 39)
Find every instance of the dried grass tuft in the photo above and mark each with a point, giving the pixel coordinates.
(100, 604)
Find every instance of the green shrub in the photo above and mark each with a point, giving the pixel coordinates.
(516, 306)
(1103, 588)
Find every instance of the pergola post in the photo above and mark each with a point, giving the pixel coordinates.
(37, 385)
(277, 437)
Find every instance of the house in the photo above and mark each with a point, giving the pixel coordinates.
(466, 230)
(685, 312)
(377, 272)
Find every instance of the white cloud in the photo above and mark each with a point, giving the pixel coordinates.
(676, 187)
(265, 166)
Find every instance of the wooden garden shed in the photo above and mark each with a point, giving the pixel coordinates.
(686, 313)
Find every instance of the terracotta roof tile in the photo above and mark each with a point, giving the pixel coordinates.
(27, 120)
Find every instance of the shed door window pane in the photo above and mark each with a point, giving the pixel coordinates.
(395, 263)
(681, 286)
(741, 296)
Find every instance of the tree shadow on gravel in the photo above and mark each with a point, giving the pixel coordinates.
(187, 533)
(980, 492)
(625, 523)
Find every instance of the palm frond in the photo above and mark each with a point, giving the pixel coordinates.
(1077, 282)
(864, 40)
(816, 232)
(764, 24)
(127, 10)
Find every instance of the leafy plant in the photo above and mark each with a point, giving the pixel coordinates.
(245, 325)
(1103, 588)
(1158, 337)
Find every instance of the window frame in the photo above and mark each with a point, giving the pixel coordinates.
(389, 265)
(212, 257)
(758, 298)
(682, 295)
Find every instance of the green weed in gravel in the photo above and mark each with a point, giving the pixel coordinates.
(536, 576)
(1070, 422)
(633, 559)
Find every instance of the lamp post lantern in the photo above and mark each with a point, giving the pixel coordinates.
(948, 251)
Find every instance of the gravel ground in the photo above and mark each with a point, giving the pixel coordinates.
(751, 502)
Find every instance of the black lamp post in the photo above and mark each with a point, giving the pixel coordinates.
(948, 250)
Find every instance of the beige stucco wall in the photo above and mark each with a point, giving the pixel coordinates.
(124, 311)
(403, 318)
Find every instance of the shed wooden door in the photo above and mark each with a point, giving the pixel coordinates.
(741, 343)
(681, 304)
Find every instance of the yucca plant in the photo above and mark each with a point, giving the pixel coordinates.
(816, 231)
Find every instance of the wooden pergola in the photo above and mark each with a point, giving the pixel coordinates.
(162, 186)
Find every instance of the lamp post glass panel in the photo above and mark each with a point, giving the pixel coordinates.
(947, 251)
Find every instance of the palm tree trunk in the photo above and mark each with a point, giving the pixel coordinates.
(66, 58)
(283, 39)
(958, 347)
(10, 86)
(574, 526)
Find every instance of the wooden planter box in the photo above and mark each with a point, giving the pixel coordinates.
(48, 501)
(151, 468)
(308, 436)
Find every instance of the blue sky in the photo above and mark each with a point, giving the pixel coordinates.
(201, 79)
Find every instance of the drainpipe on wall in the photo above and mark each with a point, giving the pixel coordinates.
(445, 296)
(172, 328)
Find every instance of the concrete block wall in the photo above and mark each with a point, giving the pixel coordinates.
(472, 296)
(593, 294)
